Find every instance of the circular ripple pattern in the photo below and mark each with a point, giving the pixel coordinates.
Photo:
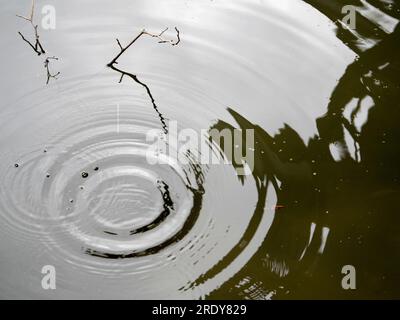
(89, 184)
(94, 179)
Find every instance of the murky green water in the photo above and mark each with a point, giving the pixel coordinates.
(78, 192)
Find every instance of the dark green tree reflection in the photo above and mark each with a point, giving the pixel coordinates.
(334, 211)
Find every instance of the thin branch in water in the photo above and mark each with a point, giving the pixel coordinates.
(37, 46)
(31, 13)
(119, 44)
(28, 42)
(122, 49)
(162, 40)
(178, 37)
(46, 65)
(123, 73)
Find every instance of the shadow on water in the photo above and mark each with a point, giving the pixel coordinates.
(337, 196)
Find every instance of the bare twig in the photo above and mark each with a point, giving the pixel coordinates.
(37, 46)
(123, 73)
(31, 14)
(28, 42)
(122, 49)
(119, 44)
(46, 65)
(162, 40)
(144, 32)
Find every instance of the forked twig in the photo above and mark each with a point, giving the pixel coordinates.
(144, 32)
(46, 65)
(112, 64)
(37, 46)
(162, 40)
(31, 14)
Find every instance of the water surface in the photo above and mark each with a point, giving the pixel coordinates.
(323, 104)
